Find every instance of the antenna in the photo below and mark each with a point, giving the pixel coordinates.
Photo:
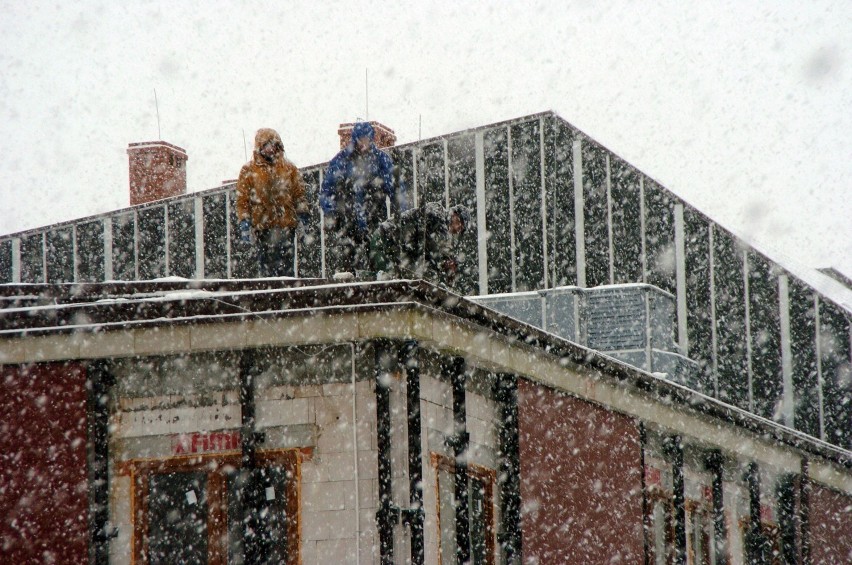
(245, 145)
(367, 94)
(420, 129)
(157, 106)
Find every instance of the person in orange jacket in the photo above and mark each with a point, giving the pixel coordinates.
(271, 204)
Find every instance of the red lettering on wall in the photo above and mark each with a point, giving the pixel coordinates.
(204, 442)
(653, 476)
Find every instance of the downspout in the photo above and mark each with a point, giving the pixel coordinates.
(643, 445)
(251, 482)
(387, 515)
(674, 447)
(454, 369)
(414, 515)
(99, 396)
(786, 495)
(714, 464)
(510, 468)
(755, 550)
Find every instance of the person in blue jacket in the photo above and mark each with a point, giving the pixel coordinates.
(355, 190)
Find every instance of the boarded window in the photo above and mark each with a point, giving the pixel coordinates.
(205, 510)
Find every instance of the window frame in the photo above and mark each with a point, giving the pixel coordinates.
(488, 477)
(659, 495)
(213, 465)
(705, 510)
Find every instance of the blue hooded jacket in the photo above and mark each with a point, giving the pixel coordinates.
(376, 174)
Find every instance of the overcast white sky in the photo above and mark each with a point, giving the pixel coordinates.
(742, 108)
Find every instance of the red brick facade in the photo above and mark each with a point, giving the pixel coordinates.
(831, 526)
(581, 495)
(44, 505)
(157, 170)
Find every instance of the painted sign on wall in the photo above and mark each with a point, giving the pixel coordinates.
(205, 442)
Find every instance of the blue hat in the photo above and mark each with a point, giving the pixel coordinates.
(362, 129)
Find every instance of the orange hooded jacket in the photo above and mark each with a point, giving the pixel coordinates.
(270, 195)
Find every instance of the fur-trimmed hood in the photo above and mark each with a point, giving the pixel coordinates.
(270, 194)
(265, 135)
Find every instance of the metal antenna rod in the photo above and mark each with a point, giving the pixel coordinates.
(245, 145)
(157, 106)
(367, 94)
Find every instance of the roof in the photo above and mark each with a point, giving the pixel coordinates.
(828, 286)
(30, 311)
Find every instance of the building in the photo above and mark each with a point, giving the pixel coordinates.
(219, 395)
(768, 340)
(136, 407)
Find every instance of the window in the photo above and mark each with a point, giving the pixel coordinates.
(765, 547)
(192, 509)
(659, 527)
(480, 511)
(699, 533)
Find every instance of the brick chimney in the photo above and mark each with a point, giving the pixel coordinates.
(385, 137)
(157, 170)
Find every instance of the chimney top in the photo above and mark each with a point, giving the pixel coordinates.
(157, 170)
(147, 144)
(385, 137)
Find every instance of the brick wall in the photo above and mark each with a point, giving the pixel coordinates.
(580, 480)
(44, 509)
(831, 526)
(157, 170)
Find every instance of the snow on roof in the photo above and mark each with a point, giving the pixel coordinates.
(171, 306)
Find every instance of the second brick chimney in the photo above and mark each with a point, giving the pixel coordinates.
(385, 137)
(157, 170)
